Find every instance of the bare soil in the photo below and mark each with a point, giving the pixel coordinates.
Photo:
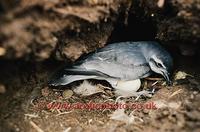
(39, 37)
(26, 95)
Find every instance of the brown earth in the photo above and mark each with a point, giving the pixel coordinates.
(37, 36)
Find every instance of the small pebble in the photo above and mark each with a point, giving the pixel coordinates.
(67, 94)
(45, 91)
(146, 111)
(2, 51)
(198, 108)
(195, 92)
(2, 89)
(166, 113)
(191, 96)
(17, 129)
(172, 118)
(193, 115)
(181, 75)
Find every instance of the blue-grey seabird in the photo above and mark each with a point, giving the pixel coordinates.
(121, 64)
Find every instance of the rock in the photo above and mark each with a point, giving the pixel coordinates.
(2, 89)
(193, 115)
(2, 51)
(67, 94)
(45, 91)
(181, 75)
(60, 29)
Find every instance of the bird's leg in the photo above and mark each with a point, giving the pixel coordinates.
(147, 93)
(103, 87)
(151, 87)
(154, 79)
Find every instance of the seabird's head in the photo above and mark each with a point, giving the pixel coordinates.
(160, 61)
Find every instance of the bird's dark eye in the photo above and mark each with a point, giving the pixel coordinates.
(159, 65)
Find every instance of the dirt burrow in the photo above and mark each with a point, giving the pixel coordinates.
(64, 30)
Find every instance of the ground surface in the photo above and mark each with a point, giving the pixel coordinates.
(66, 29)
(37, 37)
(23, 105)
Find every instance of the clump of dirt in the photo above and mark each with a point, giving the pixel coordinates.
(63, 29)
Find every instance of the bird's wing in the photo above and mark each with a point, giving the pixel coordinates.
(124, 61)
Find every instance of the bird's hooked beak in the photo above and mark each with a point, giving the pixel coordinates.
(166, 76)
(160, 69)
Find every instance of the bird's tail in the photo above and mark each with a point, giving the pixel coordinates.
(69, 75)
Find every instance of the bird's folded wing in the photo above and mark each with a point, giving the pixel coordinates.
(119, 70)
(121, 62)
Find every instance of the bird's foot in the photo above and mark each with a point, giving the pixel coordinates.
(126, 94)
(144, 93)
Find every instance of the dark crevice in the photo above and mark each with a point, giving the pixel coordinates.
(138, 27)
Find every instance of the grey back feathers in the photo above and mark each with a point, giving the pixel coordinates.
(120, 61)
